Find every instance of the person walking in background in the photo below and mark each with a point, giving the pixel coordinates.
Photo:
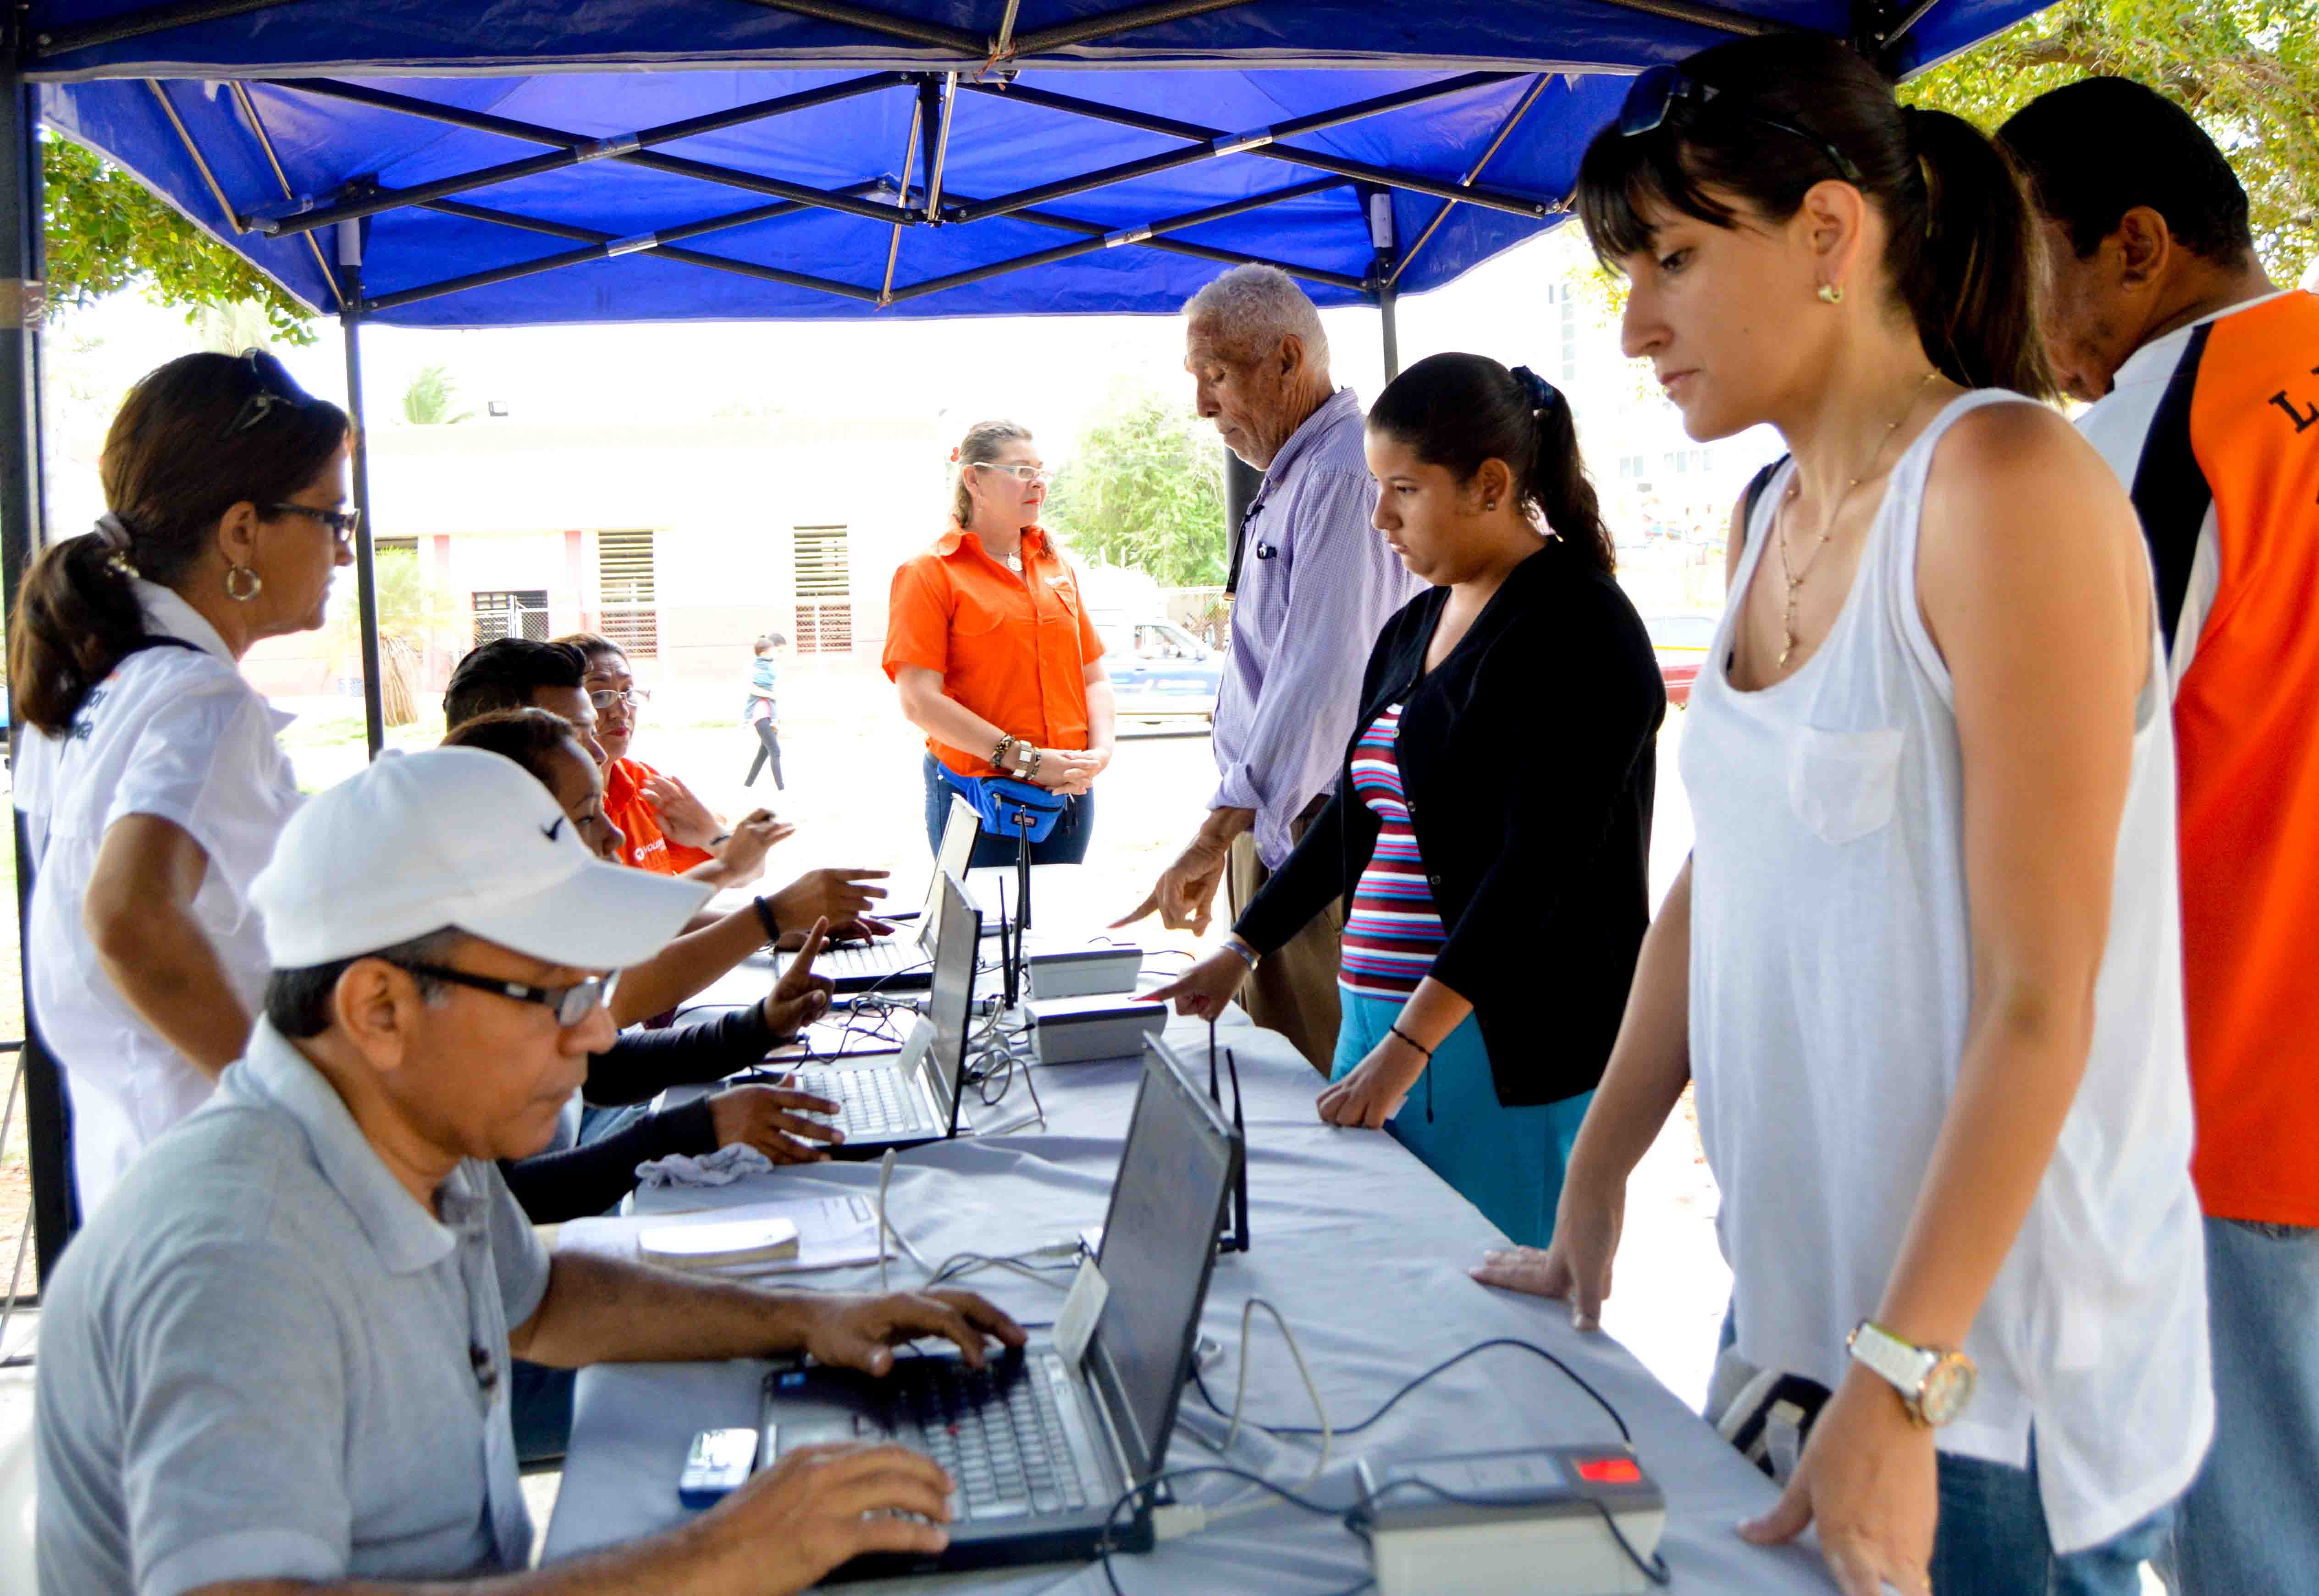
(2206, 405)
(761, 711)
(1492, 816)
(1312, 587)
(149, 777)
(989, 644)
(1924, 967)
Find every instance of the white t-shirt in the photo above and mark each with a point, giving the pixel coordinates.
(173, 732)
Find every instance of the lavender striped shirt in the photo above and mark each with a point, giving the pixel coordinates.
(1307, 614)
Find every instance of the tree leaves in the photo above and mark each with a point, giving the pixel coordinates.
(107, 232)
(432, 399)
(1146, 490)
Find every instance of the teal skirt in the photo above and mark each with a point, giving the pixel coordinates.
(1507, 1162)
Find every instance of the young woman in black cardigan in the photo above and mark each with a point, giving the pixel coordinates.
(1490, 826)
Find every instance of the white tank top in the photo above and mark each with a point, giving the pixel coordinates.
(1830, 984)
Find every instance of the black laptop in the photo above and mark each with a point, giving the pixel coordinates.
(1043, 1450)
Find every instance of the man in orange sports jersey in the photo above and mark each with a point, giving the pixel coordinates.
(2205, 383)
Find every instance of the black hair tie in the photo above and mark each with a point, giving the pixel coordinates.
(1543, 395)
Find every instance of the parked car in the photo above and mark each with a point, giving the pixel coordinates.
(1158, 668)
(1681, 642)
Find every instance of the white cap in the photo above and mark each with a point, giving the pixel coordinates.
(457, 837)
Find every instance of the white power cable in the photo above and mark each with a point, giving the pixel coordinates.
(886, 1226)
(1240, 1399)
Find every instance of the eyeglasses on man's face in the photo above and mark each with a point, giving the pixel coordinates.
(1657, 90)
(1025, 474)
(571, 1005)
(615, 698)
(342, 523)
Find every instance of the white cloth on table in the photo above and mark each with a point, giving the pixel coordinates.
(726, 1165)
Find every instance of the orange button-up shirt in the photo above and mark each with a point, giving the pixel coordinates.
(1014, 649)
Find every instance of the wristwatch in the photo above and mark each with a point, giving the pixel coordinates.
(1935, 1384)
(1025, 757)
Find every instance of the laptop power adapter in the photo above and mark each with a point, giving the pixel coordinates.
(1534, 1521)
(1077, 1030)
(1082, 972)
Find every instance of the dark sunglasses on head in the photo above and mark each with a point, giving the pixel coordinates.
(272, 388)
(1657, 90)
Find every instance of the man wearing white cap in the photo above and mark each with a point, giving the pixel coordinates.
(278, 1354)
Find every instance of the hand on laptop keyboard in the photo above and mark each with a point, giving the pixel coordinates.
(859, 1332)
(821, 1506)
(777, 1122)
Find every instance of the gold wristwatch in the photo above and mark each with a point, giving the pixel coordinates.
(1935, 1384)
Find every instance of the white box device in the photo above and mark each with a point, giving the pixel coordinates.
(1082, 972)
(1076, 1030)
(1533, 1522)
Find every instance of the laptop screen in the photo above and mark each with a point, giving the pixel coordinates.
(1159, 1245)
(959, 833)
(956, 927)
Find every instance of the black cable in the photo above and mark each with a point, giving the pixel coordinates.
(1106, 1550)
(1446, 1364)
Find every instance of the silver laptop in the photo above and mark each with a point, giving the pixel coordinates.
(1043, 1450)
(901, 963)
(905, 1098)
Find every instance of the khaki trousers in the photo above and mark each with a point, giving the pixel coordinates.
(1293, 989)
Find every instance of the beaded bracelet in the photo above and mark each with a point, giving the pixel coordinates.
(1413, 1042)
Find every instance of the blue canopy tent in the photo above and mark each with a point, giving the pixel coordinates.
(441, 163)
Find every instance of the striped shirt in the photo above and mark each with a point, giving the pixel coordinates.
(1316, 586)
(1392, 931)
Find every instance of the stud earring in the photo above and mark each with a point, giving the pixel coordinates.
(1488, 504)
(1831, 293)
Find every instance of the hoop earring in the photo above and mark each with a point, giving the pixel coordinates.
(1831, 293)
(235, 588)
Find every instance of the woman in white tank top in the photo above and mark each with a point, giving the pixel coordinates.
(1924, 966)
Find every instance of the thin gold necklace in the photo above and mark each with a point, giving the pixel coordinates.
(1793, 575)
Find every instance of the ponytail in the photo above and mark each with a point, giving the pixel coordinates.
(76, 618)
(1968, 277)
(1791, 111)
(1459, 411)
(193, 438)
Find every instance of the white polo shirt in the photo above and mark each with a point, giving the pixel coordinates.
(173, 732)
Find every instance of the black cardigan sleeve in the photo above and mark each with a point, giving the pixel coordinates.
(643, 1063)
(553, 1188)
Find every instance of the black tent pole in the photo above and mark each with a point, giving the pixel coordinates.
(22, 303)
(1378, 204)
(365, 566)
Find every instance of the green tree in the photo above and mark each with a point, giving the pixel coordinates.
(432, 399)
(2247, 69)
(107, 232)
(411, 611)
(1146, 490)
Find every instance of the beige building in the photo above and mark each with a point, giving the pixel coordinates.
(683, 542)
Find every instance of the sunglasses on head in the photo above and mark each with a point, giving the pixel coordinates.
(271, 389)
(1657, 90)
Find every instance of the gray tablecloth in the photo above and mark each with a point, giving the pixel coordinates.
(1356, 1242)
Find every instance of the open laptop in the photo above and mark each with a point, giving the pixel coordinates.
(905, 1098)
(1042, 1449)
(900, 963)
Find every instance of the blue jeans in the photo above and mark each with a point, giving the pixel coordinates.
(1992, 1541)
(2250, 1520)
(1066, 844)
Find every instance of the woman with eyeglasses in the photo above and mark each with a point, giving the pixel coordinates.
(668, 829)
(990, 646)
(1924, 967)
(149, 777)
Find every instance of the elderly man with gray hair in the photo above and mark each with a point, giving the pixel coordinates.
(1313, 584)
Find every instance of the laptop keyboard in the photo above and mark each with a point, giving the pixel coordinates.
(998, 1432)
(870, 1102)
(866, 959)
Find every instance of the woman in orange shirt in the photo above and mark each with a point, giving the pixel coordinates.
(992, 650)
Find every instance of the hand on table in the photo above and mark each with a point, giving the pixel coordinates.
(773, 1120)
(837, 896)
(1373, 1090)
(755, 834)
(1868, 1475)
(860, 1332)
(683, 816)
(1186, 890)
(1208, 987)
(821, 1506)
(1576, 1264)
(801, 996)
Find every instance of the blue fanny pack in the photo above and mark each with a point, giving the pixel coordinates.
(1009, 809)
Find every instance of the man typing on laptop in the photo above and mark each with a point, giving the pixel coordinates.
(277, 1360)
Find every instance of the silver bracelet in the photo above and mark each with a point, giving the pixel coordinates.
(1245, 954)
